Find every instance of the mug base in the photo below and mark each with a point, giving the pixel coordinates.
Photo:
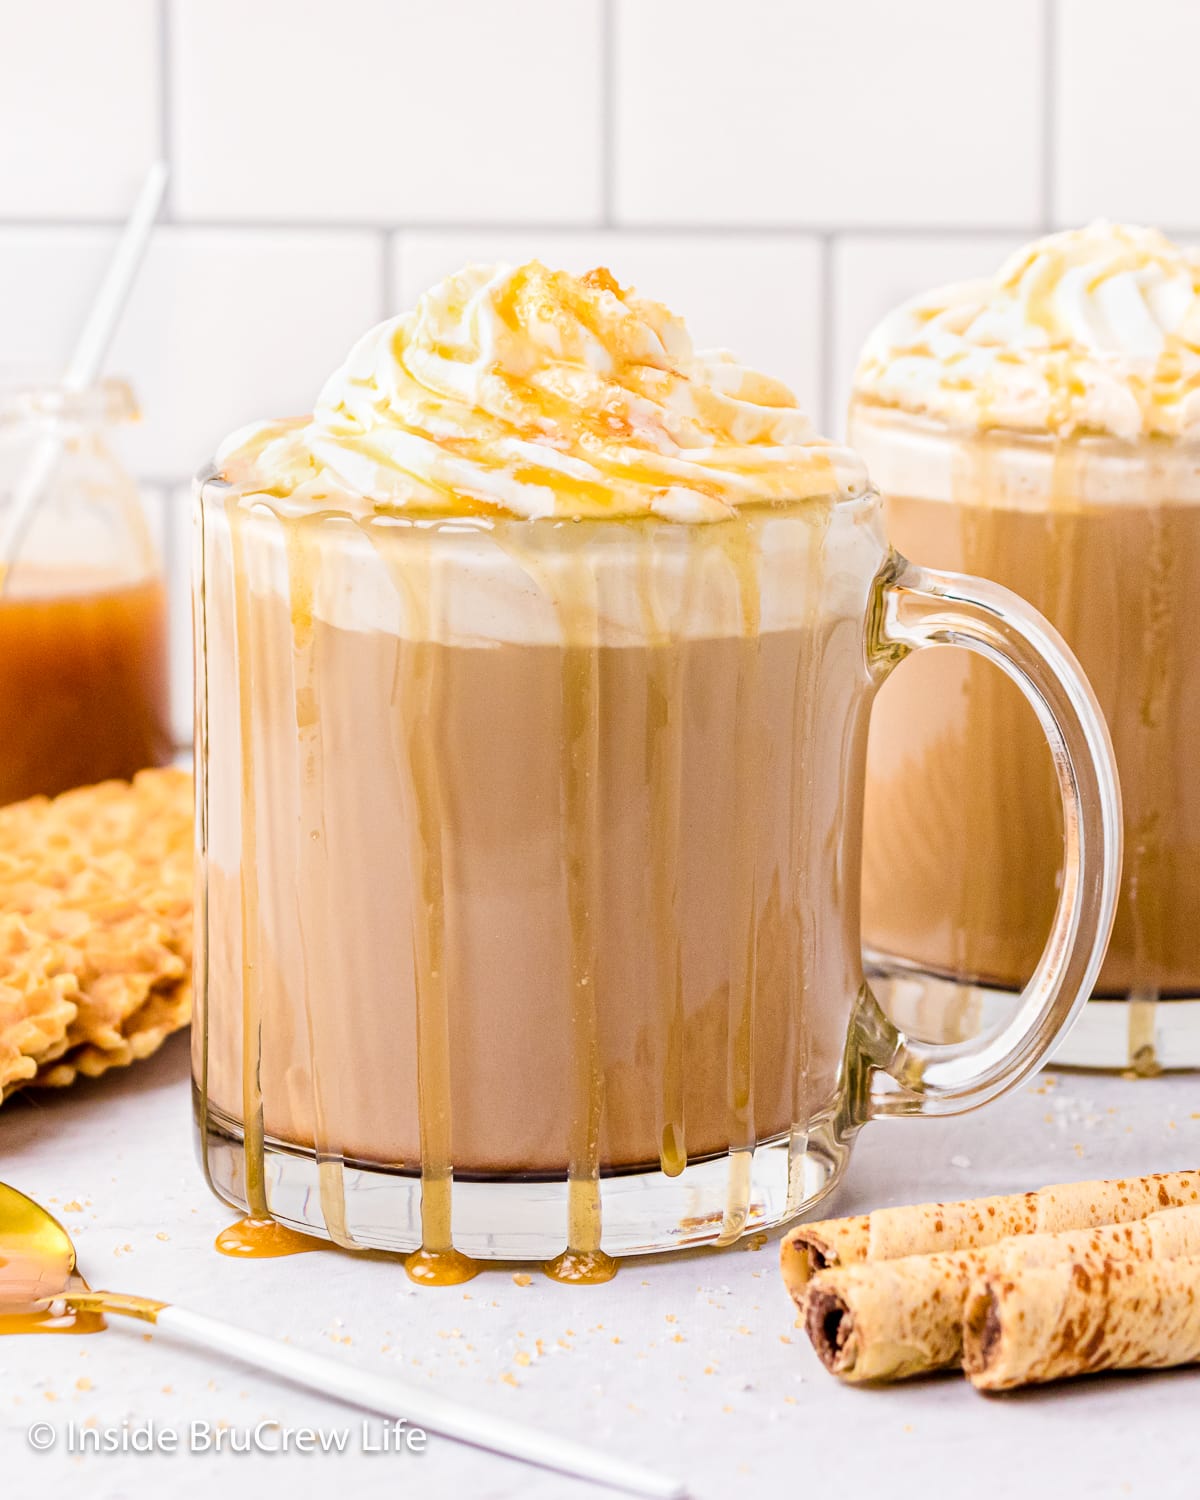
(643, 1212)
(1140, 1034)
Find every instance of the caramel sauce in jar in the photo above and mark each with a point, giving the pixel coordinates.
(83, 680)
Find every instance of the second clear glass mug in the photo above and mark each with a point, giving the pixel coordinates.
(1103, 534)
(529, 851)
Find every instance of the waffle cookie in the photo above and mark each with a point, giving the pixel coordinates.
(95, 927)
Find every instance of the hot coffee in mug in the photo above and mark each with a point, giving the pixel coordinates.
(534, 679)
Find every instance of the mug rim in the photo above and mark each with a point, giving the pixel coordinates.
(210, 476)
(869, 408)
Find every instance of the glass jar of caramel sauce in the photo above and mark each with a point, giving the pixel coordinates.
(83, 613)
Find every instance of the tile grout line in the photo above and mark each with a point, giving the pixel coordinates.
(608, 108)
(731, 231)
(157, 482)
(166, 117)
(389, 302)
(1049, 183)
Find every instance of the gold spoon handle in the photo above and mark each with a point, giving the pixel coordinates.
(145, 1308)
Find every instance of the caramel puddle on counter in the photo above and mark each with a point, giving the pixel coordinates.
(42, 1317)
(581, 1267)
(46, 1320)
(448, 1267)
(264, 1239)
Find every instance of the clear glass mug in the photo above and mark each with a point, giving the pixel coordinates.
(83, 604)
(1102, 536)
(529, 863)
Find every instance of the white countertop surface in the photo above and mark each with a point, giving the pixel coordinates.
(689, 1363)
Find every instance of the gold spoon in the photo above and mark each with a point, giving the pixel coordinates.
(37, 1268)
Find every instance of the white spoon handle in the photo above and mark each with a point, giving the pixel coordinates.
(420, 1408)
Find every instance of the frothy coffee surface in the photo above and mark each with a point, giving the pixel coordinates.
(526, 392)
(1093, 330)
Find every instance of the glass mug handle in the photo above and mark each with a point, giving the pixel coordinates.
(921, 607)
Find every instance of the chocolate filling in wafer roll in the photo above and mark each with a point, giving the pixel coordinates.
(1054, 1322)
(931, 1228)
(888, 1320)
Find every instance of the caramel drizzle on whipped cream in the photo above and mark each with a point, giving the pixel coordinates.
(531, 393)
(1091, 330)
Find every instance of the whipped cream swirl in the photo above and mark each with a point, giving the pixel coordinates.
(531, 393)
(1092, 330)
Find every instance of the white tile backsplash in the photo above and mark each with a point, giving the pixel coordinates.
(758, 295)
(224, 326)
(780, 171)
(812, 112)
(228, 326)
(393, 110)
(1128, 111)
(47, 280)
(155, 499)
(79, 105)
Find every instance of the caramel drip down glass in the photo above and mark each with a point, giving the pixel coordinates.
(530, 860)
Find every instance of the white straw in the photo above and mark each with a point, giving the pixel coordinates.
(86, 361)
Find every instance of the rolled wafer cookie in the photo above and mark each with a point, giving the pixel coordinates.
(929, 1228)
(888, 1320)
(1058, 1321)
